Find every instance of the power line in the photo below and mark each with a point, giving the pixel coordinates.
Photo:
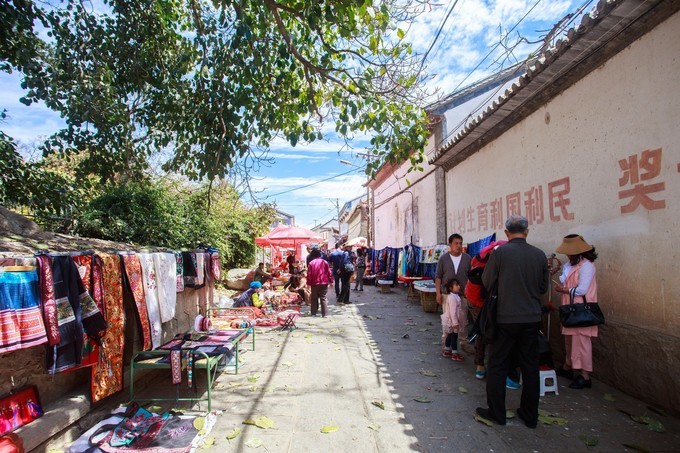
(310, 185)
(436, 37)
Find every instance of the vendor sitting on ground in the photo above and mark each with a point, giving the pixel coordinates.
(250, 297)
(260, 274)
(299, 285)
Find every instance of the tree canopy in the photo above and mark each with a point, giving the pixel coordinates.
(204, 84)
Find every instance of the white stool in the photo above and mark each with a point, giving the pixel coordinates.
(545, 387)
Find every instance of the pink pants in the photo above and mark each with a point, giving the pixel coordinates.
(579, 350)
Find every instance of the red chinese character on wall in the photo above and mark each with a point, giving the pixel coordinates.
(635, 170)
(470, 215)
(459, 220)
(483, 216)
(533, 205)
(513, 204)
(558, 200)
(497, 219)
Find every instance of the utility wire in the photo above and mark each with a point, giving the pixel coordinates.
(310, 185)
(436, 37)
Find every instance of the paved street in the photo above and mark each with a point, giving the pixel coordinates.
(385, 349)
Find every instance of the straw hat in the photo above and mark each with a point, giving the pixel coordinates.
(574, 244)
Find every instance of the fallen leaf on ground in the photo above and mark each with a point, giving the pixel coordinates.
(373, 426)
(422, 399)
(254, 443)
(264, 422)
(288, 364)
(199, 422)
(481, 419)
(652, 423)
(609, 397)
(235, 384)
(462, 389)
(394, 340)
(590, 441)
(308, 335)
(656, 410)
(249, 421)
(234, 434)
(549, 420)
(379, 404)
(253, 378)
(428, 373)
(208, 442)
(329, 429)
(423, 330)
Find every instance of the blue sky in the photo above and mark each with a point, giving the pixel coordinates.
(469, 39)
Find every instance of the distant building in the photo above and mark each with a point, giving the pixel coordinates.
(354, 218)
(329, 231)
(283, 218)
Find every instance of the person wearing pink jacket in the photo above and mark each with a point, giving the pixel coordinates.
(319, 276)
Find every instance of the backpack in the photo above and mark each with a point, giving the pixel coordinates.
(475, 292)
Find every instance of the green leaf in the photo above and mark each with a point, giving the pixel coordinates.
(609, 397)
(254, 443)
(264, 422)
(208, 442)
(400, 33)
(422, 399)
(234, 434)
(481, 419)
(373, 426)
(253, 378)
(428, 373)
(329, 429)
(549, 420)
(379, 404)
(199, 423)
(462, 389)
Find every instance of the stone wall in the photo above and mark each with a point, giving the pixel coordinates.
(27, 366)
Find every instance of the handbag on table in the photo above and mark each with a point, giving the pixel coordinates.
(586, 314)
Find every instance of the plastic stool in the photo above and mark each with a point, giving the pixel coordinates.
(545, 376)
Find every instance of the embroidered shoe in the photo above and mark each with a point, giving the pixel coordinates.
(457, 357)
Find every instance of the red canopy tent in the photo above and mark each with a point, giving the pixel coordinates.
(286, 236)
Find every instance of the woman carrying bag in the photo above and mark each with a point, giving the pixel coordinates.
(578, 276)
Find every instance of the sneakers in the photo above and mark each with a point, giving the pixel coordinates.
(480, 374)
(446, 353)
(457, 357)
(512, 385)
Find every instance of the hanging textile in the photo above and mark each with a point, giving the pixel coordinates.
(107, 373)
(477, 246)
(91, 277)
(179, 271)
(49, 304)
(189, 264)
(21, 320)
(150, 284)
(215, 265)
(166, 279)
(77, 314)
(133, 275)
(200, 269)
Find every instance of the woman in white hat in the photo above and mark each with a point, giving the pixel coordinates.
(578, 273)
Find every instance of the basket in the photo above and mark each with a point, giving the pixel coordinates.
(429, 302)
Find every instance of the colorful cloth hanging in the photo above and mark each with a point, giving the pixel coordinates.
(150, 284)
(21, 321)
(179, 262)
(133, 279)
(166, 280)
(77, 315)
(107, 373)
(49, 303)
(91, 276)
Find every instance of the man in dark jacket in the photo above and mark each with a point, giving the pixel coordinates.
(519, 271)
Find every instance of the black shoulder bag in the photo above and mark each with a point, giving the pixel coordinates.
(580, 315)
(486, 321)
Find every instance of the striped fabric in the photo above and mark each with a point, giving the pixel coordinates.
(21, 322)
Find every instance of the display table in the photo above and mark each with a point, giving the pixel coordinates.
(428, 295)
(410, 281)
(385, 285)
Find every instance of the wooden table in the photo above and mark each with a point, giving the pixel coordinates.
(409, 281)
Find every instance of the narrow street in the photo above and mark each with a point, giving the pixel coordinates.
(384, 351)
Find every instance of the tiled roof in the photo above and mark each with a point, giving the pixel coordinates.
(613, 25)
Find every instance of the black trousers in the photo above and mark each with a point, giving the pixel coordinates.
(344, 286)
(522, 340)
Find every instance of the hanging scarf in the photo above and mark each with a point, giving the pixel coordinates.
(133, 275)
(179, 271)
(107, 373)
(166, 279)
(47, 298)
(150, 284)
